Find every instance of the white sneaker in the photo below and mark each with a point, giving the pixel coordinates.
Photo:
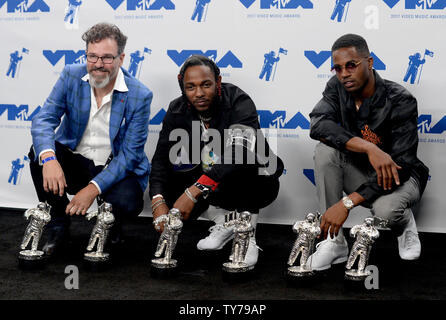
(252, 254)
(218, 237)
(409, 244)
(328, 252)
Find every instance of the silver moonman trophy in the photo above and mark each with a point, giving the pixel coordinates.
(243, 231)
(168, 239)
(307, 231)
(38, 218)
(99, 234)
(365, 234)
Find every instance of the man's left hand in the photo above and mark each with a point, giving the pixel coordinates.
(333, 219)
(186, 205)
(82, 200)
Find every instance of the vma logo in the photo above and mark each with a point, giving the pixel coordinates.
(309, 174)
(318, 59)
(280, 4)
(277, 119)
(133, 5)
(158, 118)
(419, 4)
(425, 125)
(70, 56)
(25, 6)
(18, 113)
(228, 60)
(17, 166)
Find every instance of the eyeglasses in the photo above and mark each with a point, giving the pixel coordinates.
(92, 58)
(349, 66)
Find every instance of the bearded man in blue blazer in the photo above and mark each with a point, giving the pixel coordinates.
(101, 113)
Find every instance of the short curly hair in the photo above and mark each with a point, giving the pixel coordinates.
(103, 31)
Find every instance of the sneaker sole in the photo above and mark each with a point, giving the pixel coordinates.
(336, 261)
(218, 248)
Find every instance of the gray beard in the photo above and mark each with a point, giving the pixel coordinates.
(99, 84)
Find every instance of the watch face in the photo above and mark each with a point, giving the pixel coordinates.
(348, 203)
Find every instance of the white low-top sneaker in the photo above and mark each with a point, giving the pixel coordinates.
(218, 237)
(328, 252)
(409, 245)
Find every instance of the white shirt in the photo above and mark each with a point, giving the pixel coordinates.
(95, 143)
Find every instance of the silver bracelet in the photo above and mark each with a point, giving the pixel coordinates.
(157, 204)
(190, 196)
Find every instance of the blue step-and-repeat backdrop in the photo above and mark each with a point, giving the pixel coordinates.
(278, 51)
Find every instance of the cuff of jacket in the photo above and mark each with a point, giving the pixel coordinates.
(205, 180)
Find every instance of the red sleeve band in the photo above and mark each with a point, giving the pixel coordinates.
(205, 180)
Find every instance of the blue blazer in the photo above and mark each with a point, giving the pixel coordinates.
(129, 123)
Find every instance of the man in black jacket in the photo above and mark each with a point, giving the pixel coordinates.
(367, 128)
(221, 157)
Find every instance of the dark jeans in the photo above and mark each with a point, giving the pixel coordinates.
(243, 190)
(126, 196)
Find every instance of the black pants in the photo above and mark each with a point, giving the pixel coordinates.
(126, 196)
(244, 190)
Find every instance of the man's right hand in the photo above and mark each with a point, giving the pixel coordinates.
(386, 169)
(53, 176)
(159, 211)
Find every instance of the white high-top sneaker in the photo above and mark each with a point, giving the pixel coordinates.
(252, 254)
(219, 234)
(218, 237)
(409, 244)
(328, 252)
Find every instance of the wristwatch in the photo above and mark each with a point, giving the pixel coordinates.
(348, 203)
(205, 190)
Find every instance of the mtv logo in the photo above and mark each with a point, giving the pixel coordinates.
(419, 4)
(158, 118)
(285, 4)
(229, 59)
(133, 5)
(424, 125)
(277, 119)
(24, 6)
(70, 56)
(426, 4)
(309, 174)
(18, 113)
(318, 59)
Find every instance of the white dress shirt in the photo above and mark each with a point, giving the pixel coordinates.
(95, 143)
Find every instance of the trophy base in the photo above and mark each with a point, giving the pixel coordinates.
(161, 269)
(354, 281)
(234, 272)
(355, 275)
(96, 262)
(231, 267)
(300, 277)
(299, 272)
(31, 260)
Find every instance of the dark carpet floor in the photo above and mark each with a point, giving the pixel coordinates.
(200, 275)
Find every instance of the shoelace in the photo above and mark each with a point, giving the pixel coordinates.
(218, 228)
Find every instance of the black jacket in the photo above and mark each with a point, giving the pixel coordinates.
(233, 107)
(388, 119)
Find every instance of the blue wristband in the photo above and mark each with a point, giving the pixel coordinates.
(48, 159)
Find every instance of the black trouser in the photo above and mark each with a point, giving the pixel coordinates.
(244, 190)
(126, 196)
